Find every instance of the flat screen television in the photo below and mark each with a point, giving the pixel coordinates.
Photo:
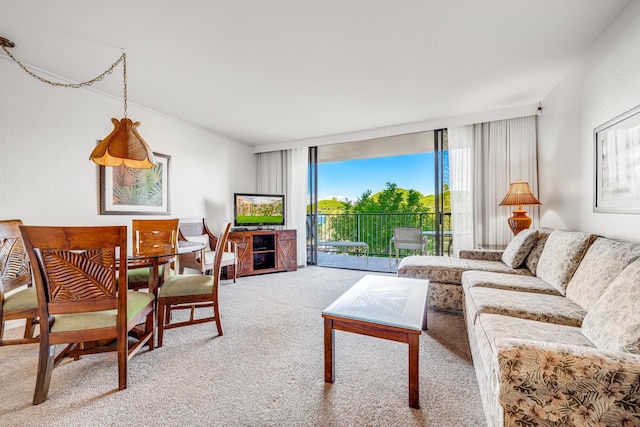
(258, 210)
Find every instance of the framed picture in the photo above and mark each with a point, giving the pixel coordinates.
(617, 164)
(127, 191)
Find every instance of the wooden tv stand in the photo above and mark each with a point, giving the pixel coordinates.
(265, 251)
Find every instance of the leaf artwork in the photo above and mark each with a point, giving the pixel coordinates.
(137, 187)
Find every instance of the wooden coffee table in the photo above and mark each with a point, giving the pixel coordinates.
(392, 308)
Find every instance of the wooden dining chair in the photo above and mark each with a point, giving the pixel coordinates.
(197, 230)
(152, 236)
(18, 300)
(75, 271)
(191, 291)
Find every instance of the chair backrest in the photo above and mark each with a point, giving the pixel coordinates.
(152, 236)
(192, 227)
(75, 268)
(196, 229)
(15, 269)
(220, 244)
(408, 237)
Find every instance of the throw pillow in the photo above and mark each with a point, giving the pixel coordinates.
(519, 247)
(534, 256)
(613, 324)
(561, 255)
(602, 263)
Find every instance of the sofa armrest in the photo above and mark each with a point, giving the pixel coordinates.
(548, 383)
(481, 254)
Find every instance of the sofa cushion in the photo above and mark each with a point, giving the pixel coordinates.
(525, 305)
(560, 257)
(602, 263)
(449, 270)
(497, 327)
(613, 323)
(509, 282)
(534, 256)
(517, 250)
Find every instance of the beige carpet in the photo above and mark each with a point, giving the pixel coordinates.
(267, 370)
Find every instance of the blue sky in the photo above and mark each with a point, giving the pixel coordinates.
(351, 178)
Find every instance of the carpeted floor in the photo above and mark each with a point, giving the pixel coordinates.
(267, 370)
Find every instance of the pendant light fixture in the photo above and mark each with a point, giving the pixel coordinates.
(124, 145)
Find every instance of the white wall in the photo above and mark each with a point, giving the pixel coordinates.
(47, 134)
(604, 85)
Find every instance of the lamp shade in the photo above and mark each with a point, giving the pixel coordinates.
(519, 194)
(124, 146)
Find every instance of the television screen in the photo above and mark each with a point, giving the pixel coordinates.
(258, 209)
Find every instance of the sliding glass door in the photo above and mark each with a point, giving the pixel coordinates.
(420, 168)
(443, 235)
(312, 207)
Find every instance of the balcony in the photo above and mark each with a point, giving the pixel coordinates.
(376, 230)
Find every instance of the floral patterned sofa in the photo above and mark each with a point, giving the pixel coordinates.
(557, 344)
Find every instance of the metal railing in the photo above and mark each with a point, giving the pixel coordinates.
(376, 230)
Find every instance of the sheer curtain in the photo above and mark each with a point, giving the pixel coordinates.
(484, 158)
(285, 172)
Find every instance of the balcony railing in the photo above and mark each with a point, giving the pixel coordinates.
(376, 230)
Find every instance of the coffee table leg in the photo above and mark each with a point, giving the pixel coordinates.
(414, 381)
(329, 364)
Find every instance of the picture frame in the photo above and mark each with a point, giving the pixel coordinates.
(617, 164)
(128, 191)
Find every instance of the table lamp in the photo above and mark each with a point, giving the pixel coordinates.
(518, 195)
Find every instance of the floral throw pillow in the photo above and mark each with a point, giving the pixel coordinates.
(613, 323)
(534, 256)
(518, 249)
(561, 255)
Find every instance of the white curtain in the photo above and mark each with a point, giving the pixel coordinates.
(461, 173)
(285, 172)
(484, 158)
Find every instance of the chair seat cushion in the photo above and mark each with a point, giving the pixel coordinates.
(186, 284)
(137, 275)
(136, 301)
(228, 258)
(203, 238)
(24, 299)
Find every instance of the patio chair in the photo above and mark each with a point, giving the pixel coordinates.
(409, 238)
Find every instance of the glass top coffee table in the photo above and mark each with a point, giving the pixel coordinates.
(392, 308)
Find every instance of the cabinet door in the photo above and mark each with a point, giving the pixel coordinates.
(287, 250)
(245, 254)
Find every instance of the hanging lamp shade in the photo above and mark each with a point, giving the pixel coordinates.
(124, 145)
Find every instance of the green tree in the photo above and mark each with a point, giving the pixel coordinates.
(390, 200)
